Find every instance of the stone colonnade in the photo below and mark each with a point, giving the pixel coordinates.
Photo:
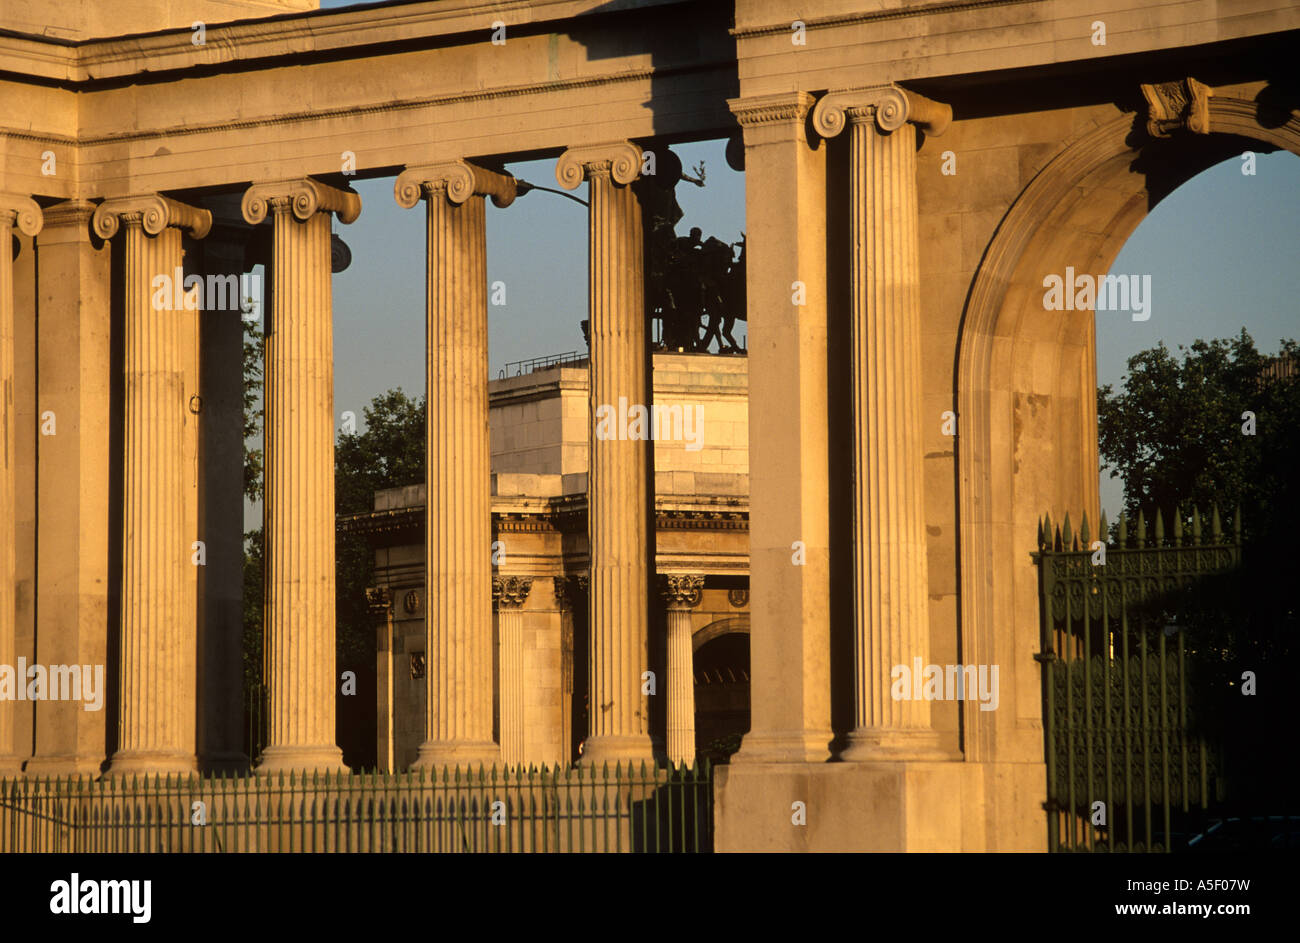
(791, 710)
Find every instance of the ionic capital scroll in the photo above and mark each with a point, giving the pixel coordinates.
(889, 106)
(153, 211)
(457, 180)
(303, 196)
(21, 211)
(620, 160)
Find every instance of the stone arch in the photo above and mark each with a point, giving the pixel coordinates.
(718, 628)
(1026, 382)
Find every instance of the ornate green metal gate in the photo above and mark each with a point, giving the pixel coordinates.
(1125, 771)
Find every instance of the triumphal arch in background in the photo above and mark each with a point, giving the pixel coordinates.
(913, 173)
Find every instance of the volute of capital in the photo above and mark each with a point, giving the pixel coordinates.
(889, 106)
(681, 591)
(21, 211)
(154, 212)
(621, 160)
(303, 196)
(511, 591)
(455, 180)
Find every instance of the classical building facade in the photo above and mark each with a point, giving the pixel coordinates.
(913, 172)
(698, 635)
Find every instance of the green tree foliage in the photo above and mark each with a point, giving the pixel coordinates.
(254, 346)
(1177, 435)
(1174, 432)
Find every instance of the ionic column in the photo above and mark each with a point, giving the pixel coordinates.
(22, 212)
(458, 620)
(682, 594)
(156, 729)
(617, 510)
(891, 615)
(510, 593)
(299, 472)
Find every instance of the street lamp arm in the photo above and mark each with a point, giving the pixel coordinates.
(523, 186)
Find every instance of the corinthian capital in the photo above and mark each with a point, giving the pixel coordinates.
(457, 180)
(681, 592)
(889, 106)
(21, 211)
(153, 211)
(510, 591)
(304, 196)
(620, 160)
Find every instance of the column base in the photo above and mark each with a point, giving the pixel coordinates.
(891, 745)
(784, 746)
(326, 758)
(10, 765)
(614, 749)
(64, 765)
(151, 763)
(435, 754)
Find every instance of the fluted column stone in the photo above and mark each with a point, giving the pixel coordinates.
(510, 594)
(458, 619)
(156, 728)
(20, 211)
(299, 472)
(891, 585)
(681, 594)
(617, 473)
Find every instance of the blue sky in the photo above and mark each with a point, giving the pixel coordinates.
(1221, 251)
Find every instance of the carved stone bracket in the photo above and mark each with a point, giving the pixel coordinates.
(21, 211)
(620, 160)
(457, 180)
(303, 196)
(153, 211)
(1183, 105)
(511, 591)
(681, 591)
(889, 106)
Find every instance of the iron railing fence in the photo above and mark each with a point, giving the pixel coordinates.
(1125, 769)
(614, 809)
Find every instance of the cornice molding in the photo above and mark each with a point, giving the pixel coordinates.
(303, 196)
(874, 16)
(153, 212)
